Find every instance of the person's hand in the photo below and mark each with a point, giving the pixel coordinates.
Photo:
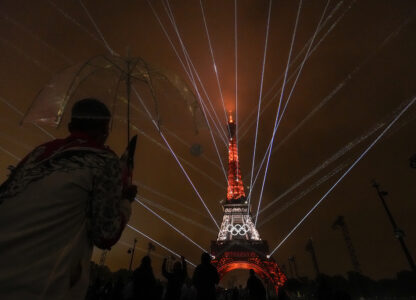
(130, 192)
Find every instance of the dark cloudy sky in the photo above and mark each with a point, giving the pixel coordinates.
(358, 76)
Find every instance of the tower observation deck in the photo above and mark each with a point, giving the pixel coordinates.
(238, 245)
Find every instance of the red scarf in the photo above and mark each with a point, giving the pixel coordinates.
(75, 140)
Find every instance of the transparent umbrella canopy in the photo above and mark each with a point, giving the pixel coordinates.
(122, 83)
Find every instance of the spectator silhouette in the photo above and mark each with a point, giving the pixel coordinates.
(282, 293)
(188, 291)
(176, 279)
(63, 198)
(144, 282)
(235, 294)
(341, 295)
(205, 278)
(255, 287)
(324, 291)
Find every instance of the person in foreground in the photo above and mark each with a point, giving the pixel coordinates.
(63, 198)
(205, 278)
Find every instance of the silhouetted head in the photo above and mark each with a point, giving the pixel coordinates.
(177, 267)
(92, 117)
(146, 262)
(205, 258)
(251, 272)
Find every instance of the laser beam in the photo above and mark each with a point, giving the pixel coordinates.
(331, 95)
(278, 110)
(213, 59)
(345, 174)
(236, 70)
(10, 154)
(189, 62)
(259, 103)
(177, 215)
(169, 224)
(157, 243)
(175, 156)
(20, 113)
(295, 59)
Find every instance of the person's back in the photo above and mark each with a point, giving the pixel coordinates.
(62, 199)
(144, 282)
(176, 279)
(255, 287)
(205, 278)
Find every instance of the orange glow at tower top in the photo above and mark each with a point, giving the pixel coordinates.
(230, 117)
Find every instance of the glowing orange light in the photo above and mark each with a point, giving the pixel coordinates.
(267, 270)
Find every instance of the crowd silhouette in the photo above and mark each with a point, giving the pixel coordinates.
(141, 284)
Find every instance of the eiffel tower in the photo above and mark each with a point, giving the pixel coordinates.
(238, 245)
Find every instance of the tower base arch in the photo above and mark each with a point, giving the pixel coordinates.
(243, 254)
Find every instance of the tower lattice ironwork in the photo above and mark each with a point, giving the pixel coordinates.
(238, 245)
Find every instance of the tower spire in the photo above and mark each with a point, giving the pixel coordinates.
(235, 189)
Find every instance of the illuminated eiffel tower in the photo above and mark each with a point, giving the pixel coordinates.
(239, 245)
(237, 222)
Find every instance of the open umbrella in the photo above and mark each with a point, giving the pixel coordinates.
(111, 79)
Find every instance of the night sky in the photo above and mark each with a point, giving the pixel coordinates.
(357, 78)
